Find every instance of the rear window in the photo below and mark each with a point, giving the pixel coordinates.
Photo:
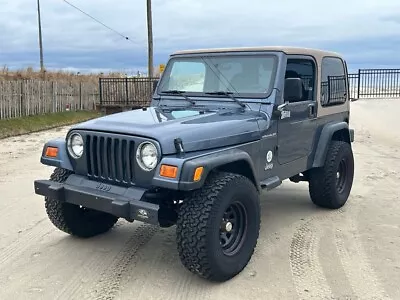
(334, 81)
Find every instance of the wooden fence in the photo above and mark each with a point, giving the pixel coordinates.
(20, 98)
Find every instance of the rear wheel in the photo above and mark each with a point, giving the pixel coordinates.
(331, 184)
(73, 219)
(218, 227)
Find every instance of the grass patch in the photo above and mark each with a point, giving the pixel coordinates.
(18, 126)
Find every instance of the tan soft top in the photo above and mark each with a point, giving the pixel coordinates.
(288, 50)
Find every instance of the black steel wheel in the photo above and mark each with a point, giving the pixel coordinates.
(233, 228)
(331, 184)
(341, 176)
(218, 227)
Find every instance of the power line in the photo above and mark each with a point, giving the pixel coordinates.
(120, 34)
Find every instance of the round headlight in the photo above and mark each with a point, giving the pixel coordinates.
(146, 156)
(75, 145)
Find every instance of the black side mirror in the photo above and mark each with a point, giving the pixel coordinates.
(293, 90)
(155, 83)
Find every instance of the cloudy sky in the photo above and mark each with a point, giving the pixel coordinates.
(366, 32)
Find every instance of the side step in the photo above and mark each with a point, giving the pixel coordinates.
(270, 183)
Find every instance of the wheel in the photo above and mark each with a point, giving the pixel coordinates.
(218, 227)
(330, 185)
(73, 219)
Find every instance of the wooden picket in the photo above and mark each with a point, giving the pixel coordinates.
(20, 98)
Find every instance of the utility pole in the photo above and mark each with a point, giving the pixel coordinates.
(149, 39)
(40, 37)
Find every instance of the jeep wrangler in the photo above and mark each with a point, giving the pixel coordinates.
(222, 126)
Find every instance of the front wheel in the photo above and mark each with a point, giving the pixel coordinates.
(330, 185)
(218, 227)
(73, 219)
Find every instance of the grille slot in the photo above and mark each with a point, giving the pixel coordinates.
(110, 158)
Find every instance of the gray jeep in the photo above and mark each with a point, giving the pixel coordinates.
(223, 125)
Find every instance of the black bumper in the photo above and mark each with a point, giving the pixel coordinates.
(119, 201)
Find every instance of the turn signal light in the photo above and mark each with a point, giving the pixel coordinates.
(197, 173)
(168, 171)
(51, 151)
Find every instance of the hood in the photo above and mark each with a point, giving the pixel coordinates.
(198, 130)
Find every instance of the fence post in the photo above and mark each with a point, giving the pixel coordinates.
(53, 96)
(100, 92)
(126, 90)
(80, 95)
(358, 83)
(22, 106)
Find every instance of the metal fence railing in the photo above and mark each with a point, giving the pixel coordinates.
(333, 90)
(135, 92)
(378, 83)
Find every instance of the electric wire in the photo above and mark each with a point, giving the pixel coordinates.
(108, 27)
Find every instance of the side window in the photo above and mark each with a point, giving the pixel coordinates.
(333, 81)
(305, 70)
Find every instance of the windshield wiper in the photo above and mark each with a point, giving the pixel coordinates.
(178, 92)
(230, 94)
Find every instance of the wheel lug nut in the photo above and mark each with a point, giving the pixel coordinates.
(228, 226)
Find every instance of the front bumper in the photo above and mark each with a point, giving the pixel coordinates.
(122, 202)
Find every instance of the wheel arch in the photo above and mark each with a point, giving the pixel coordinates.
(233, 160)
(337, 131)
(241, 167)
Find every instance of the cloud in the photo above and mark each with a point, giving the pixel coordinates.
(364, 31)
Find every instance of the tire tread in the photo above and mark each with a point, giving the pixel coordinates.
(192, 224)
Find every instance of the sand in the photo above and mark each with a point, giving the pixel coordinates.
(303, 252)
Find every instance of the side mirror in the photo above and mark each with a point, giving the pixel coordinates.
(155, 83)
(293, 90)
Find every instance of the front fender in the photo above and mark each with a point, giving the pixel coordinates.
(186, 168)
(62, 160)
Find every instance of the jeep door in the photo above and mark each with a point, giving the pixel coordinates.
(297, 123)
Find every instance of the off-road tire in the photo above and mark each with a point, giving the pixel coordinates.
(199, 222)
(73, 219)
(324, 189)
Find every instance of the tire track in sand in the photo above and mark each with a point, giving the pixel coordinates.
(23, 243)
(74, 286)
(109, 283)
(308, 275)
(160, 270)
(355, 262)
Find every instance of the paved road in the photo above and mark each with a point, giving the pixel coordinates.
(303, 252)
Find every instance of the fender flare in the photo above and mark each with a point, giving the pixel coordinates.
(212, 161)
(209, 162)
(324, 139)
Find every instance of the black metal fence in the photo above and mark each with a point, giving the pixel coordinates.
(378, 83)
(134, 92)
(366, 83)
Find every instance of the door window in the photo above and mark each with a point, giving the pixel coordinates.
(305, 70)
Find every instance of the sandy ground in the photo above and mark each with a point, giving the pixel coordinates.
(303, 252)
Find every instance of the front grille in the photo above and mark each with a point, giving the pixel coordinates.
(110, 158)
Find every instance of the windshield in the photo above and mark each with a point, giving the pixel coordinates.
(242, 75)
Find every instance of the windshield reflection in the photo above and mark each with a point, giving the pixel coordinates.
(243, 75)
